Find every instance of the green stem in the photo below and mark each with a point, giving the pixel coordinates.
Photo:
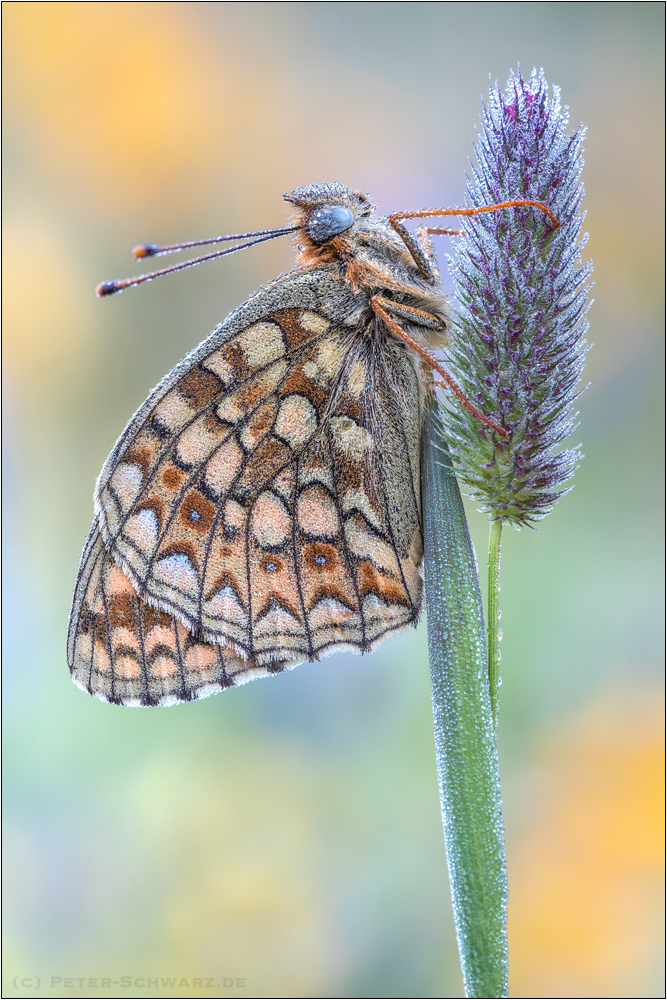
(493, 623)
(465, 735)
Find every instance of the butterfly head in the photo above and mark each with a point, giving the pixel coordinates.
(325, 213)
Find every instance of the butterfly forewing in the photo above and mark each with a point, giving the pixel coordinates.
(260, 509)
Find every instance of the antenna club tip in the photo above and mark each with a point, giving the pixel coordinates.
(145, 250)
(107, 288)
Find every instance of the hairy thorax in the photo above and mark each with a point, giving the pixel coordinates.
(372, 260)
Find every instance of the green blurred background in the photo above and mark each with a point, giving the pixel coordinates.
(288, 833)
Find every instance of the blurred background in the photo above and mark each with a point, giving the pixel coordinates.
(284, 839)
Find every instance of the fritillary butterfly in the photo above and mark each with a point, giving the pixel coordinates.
(263, 506)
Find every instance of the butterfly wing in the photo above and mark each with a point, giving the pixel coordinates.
(123, 650)
(265, 499)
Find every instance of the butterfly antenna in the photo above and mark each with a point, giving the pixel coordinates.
(153, 250)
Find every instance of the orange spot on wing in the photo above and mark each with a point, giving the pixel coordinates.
(122, 611)
(153, 618)
(271, 564)
(299, 383)
(320, 557)
(237, 359)
(197, 511)
(289, 321)
(172, 477)
(199, 386)
(380, 584)
(246, 398)
(117, 582)
(261, 421)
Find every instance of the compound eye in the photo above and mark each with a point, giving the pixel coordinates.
(328, 221)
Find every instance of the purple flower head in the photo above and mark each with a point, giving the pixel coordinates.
(522, 292)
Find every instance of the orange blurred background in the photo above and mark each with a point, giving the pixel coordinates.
(287, 834)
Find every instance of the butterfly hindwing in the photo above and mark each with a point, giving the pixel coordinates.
(122, 649)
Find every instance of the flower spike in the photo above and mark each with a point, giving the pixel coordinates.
(522, 289)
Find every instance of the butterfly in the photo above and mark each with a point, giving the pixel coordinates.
(263, 506)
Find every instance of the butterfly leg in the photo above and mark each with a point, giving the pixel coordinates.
(441, 231)
(421, 259)
(421, 248)
(382, 307)
(412, 313)
(422, 254)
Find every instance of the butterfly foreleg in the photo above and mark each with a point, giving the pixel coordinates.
(421, 248)
(422, 256)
